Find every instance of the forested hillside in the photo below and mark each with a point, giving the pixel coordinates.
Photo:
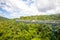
(3, 18)
(42, 17)
(12, 30)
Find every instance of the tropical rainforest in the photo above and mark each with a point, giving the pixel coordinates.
(12, 30)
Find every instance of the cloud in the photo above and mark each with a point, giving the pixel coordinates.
(44, 5)
(1, 14)
(28, 2)
(17, 8)
(49, 6)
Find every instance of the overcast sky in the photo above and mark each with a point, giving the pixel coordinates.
(17, 8)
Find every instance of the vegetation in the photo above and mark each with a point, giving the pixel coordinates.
(12, 30)
(42, 17)
(3, 18)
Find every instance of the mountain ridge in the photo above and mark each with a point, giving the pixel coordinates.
(36, 17)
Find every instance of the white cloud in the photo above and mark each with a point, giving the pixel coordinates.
(49, 6)
(20, 8)
(1, 14)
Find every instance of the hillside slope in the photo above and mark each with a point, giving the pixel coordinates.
(3, 18)
(42, 17)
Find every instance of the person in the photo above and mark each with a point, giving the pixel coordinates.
(33, 20)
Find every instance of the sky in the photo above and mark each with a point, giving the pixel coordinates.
(17, 8)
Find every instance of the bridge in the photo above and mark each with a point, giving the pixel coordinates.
(51, 22)
(40, 21)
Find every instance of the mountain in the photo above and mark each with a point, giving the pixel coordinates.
(36, 17)
(3, 18)
(42, 17)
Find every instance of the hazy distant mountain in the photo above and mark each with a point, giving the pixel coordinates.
(3, 18)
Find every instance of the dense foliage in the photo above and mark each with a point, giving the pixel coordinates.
(12, 30)
(42, 17)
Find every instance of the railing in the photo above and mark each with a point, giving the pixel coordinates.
(40, 21)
